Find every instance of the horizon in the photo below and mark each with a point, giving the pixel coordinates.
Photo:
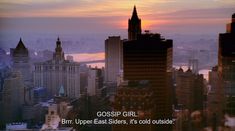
(191, 27)
(103, 16)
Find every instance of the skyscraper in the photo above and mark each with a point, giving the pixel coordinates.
(58, 72)
(134, 25)
(20, 58)
(12, 98)
(95, 82)
(150, 58)
(226, 65)
(146, 58)
(135, 96)
(215, 97)
(189, 90)
(113, 50)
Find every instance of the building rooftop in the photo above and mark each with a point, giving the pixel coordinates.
(20, 49)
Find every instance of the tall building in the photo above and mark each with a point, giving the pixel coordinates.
(215, 98)
(58, 72)
(146, 58)
(95, 82)
(12, 98)
(137, 96)
(113, 59)
(189, 90)
(193, 64)
(134, 25)
(20, 58)
(150, 58)
(226, 65)
(4, 73)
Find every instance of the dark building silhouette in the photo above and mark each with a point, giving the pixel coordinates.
(135, 96)
(148, 58)
(147, 78)
(14, 84)
(20, 50)
(134, 26)
(226, 65)
(20, 58)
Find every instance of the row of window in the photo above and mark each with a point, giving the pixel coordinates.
(64, 68)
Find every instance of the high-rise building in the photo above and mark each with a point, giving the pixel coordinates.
(95, 82)
(193, 64)
(137, 96)
(20, 58)
(189, 90)
(215, 98)
(226, 65)
(113, 60)
(146, 57)
(134, 25)
(58, 72)
(12, 98)
(150, 58)
(5, 71)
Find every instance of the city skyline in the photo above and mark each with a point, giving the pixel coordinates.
(59, 89)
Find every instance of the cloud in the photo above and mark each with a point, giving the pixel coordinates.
(81, 8)
(155, 14)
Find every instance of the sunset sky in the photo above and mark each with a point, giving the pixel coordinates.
(90, 22)
(154, 13)
(90, 8)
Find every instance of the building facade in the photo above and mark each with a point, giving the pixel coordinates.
(189, 90)
(58, 72)
(226, 65)
(95, 82)
(113, 58)
(150, 58)
(215, 98)
(12, 98)
(20, 58)
(137, 96)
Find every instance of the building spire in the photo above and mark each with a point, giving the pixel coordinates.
(134, 25)
(20, 49)
(59, 54)
(134, 14)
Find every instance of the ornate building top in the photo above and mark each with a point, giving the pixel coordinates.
(59, 54)
(134, 14)
(134, 25)
(20, 50)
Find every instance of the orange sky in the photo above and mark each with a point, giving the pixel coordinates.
(84, 8)
(155, 14)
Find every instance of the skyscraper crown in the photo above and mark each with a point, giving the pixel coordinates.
(59, 54)
(233, 18)
(20, 49)
(134, 14)
(134, 25)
